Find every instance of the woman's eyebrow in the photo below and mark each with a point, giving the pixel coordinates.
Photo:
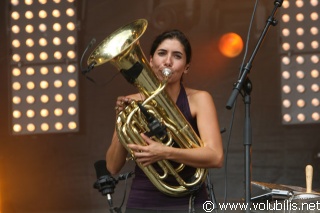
(178, 52)
(162, 50)
(175, 52)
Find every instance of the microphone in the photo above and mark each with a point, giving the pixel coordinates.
(156, 127)
(93, 40)
(91, 66)
(101, 168)
(105, 183)
(278, 2)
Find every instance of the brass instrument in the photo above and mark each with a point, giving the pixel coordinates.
(122, 49)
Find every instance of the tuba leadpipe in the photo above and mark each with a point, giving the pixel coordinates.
(122, 49)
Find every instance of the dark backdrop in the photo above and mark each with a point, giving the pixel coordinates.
(54, 173)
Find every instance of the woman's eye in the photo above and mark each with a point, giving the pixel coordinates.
(178, 56)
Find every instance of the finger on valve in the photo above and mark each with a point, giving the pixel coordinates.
(121, 103)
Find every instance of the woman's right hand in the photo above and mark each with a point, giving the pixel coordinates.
(121, 103)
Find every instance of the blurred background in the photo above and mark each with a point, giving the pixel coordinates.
(56, 122)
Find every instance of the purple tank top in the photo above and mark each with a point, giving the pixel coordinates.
(144, 195)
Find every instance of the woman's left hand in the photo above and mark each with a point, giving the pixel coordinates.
(151, 153)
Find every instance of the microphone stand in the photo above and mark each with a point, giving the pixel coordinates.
(245, 84)
(212, 196)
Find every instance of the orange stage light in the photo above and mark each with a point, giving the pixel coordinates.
(230, 45)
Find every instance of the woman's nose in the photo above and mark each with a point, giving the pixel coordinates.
(168, 61)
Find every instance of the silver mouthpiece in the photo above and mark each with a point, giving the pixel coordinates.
(166, 72)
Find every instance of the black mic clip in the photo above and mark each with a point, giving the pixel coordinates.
(156, 128)
(125, 176)
(89, 68)
(105, 184)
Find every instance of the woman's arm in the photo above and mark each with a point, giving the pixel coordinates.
(116, 154)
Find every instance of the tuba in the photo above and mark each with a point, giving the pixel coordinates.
(122, 49)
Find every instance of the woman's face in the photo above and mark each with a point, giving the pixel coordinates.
(170, 53)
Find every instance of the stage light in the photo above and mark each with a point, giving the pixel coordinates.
(299, 27)
(230, 45)
(44, 78)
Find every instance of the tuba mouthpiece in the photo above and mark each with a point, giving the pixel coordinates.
(167, 72)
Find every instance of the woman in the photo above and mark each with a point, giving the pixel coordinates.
(171, 50)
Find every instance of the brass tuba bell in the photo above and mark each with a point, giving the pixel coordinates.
(122, 49)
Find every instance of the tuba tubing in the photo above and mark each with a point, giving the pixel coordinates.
(122, 49)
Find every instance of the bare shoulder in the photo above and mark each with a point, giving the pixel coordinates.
(198, 96)
(200, 101)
